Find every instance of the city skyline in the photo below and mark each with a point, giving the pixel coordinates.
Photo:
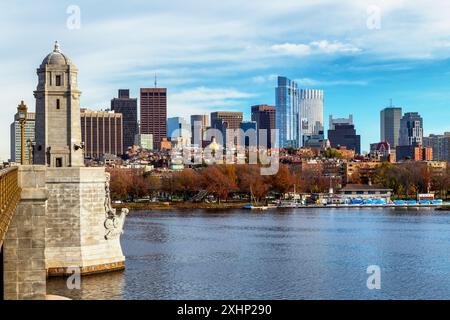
(358, 68)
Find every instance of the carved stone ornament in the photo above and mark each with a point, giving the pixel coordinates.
(114, 222)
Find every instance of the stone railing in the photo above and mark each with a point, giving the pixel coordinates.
(9, 198)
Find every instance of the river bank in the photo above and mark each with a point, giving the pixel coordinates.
(182, 205)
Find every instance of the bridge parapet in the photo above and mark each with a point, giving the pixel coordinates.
(9, 198)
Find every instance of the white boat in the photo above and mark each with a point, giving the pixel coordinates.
(253, 207)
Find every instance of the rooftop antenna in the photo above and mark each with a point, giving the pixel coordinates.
(156, 81)
(391, 101)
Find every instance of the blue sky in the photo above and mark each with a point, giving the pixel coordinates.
(225, 55)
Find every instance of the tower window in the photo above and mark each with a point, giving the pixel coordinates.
(58, 81)
(58, 162)
(58, 104)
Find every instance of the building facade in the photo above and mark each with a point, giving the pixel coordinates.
(440, 145)
(390, 125)
(16, 137)
(58, 134)
(250, 129)
(334, 121)
(145, 141)
(264, 116)
(411, 130)
(102, 133)
(178, 127)
(287, 105)
(311, 112)
(344, 135)
(199, 125)
(223, 120)
(154, 114)
(128, 108)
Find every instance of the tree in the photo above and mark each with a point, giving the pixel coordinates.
(250, 179)
(219, 180)
(283, 180)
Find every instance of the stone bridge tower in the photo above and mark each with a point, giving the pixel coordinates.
(58, 124)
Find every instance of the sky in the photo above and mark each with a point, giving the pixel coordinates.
(226, 55)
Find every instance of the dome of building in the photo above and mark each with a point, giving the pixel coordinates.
(56, 57)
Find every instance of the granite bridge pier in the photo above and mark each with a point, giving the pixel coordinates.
(55, 214)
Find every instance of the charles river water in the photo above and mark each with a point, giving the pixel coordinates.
(279, 254)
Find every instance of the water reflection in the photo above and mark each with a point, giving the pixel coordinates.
(289, 254)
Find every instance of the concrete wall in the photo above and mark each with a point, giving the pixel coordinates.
(24, 258)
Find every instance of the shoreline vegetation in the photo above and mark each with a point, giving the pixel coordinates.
(179, 205)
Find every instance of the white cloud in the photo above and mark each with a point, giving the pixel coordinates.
(203, 100)
(292, 49)
(308, 82)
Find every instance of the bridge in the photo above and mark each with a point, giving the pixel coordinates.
(9, 200)
(53, 220)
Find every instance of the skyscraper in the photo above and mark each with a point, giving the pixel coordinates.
(288, 113)
(264, 116)
(102, 133)
(411, 130)
(128, 108)
(250, 128)
(390, 125)
(311, 113)
(154, 114)
(199, 125)
(233, 119)
(223, 120)
(344, 135)
(334, 121)
(16, 137)
(178, 127)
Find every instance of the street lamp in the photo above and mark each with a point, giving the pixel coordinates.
(22, 113)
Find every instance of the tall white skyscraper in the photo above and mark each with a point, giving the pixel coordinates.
(311, 113)
(287, 116)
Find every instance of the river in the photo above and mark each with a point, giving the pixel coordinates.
(279, 254)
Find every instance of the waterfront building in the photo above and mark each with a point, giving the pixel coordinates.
(440, 145)
(288, 113)
(390, 125)
(311, 112)
(199, 125)
(264, 116)
(344, 135)
(128, 108)
(16, 137)
(366, 192)
(145, 141)
(153, 106)
(411, 130)
(101, 133)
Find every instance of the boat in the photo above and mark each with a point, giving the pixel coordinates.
(252, 205)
